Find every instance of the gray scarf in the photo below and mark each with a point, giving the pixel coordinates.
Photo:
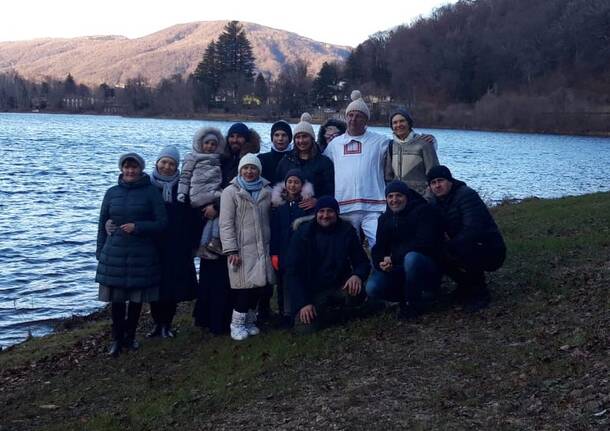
(165, 183)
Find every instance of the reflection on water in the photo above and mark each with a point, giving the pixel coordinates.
(56, 168)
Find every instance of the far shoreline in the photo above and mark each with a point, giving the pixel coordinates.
(316, 120)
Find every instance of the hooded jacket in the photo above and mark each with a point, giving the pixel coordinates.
(244, 229)
(284, 215)
(418, 227)
(201, 176)
(231, 160)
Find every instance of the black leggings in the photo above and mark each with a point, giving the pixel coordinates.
(125, 319)
(245, 299)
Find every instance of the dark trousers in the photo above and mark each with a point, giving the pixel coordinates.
(214, 303)
(163, 312)
(245, 299)
(125, 319)
(332, 305)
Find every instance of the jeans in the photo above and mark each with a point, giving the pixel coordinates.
(418, 273)
(210, 230)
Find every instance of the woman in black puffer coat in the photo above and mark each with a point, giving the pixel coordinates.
(128, 267)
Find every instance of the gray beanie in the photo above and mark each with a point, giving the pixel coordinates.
(133, 156)
(305, 126)
(171, 152)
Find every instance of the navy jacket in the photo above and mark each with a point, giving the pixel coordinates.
(474, 237)
(302, 275)
(418, 227)
(130, 261)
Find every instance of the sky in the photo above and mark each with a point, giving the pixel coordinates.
(338, 22)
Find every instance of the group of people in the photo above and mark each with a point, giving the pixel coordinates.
(298, 218)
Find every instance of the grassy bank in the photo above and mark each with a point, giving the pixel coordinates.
(538, 358)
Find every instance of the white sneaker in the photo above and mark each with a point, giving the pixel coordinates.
(238, 326)
(251, 327)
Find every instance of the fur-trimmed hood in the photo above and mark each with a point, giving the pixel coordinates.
(252, 145)
(277, 198)
(197, 144)
(298, 222)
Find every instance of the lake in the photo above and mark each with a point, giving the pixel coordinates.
(56, 168)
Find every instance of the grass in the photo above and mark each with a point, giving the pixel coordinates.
(536, 359)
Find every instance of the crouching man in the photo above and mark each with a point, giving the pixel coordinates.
(325, 269)
(473, 242)
(405, 255)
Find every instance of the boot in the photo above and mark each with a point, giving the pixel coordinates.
(133, 316)
(238, 326)
(115, 349)
(166, 332)
(251, 323)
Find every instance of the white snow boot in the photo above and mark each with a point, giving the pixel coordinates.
(251, 323)
(238, 326)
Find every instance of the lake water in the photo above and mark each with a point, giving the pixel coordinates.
(56, 168)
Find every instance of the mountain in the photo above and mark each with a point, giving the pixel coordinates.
(177, 49)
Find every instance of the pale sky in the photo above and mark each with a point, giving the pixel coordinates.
(337, 22)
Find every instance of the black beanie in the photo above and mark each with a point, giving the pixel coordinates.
(327, 202)
(240, 129)
(439, 171)
(281, 125)
(404, 113)
(396, 187)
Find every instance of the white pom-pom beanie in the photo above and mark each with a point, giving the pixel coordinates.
(249, 159)
(305, 126)
(358, 104)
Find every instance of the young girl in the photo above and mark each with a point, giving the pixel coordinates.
(201, 181)
(285, 199)
(245, 235)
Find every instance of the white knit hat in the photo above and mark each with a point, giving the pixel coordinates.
(358, 104)
(249, 159)
(305, 126)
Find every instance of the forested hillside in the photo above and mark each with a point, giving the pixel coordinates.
(552, 55)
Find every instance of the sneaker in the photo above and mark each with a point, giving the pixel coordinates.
(215, 246)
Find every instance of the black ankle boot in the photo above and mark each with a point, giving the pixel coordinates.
(115, 348)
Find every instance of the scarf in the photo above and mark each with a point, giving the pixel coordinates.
(412, 136)
(252, 187)
(288, 148)
(165, 183)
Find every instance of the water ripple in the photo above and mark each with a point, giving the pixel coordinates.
(56, 169)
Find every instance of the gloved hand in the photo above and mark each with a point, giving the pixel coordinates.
(110, 227)
(181, 197)
(275, 262)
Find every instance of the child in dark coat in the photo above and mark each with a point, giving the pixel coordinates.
(285, 199)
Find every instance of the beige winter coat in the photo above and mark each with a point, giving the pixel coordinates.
(244, 228)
